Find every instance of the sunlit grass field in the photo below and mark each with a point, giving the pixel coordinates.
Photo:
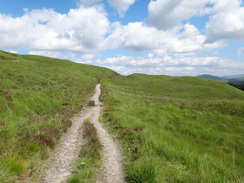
(177, 129)
(38, 96)
(172, 129)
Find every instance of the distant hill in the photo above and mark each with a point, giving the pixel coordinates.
(234, 76)
(237, 79)
(208, 76)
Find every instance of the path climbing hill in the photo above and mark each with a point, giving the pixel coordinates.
(60, 165)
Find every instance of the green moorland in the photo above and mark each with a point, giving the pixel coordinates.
(38, 96)
(172, 129)
(176, 129)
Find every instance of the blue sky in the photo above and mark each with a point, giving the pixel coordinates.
(180, 37)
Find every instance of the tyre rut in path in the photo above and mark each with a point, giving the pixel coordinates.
(60, 165)
(111, 170)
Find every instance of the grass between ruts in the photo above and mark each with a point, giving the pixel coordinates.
(176, 129)
(38, 95)
(90, 155)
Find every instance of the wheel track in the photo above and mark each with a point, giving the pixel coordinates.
(61, 163)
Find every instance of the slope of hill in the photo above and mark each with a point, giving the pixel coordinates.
(173, 129)
(182, 87)
(177, 129)
(38, 95)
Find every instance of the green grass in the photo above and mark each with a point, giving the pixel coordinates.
(141, 172)
(38, 95)
(172, 129)
(180, 129)
(179, 87)
(90, 155)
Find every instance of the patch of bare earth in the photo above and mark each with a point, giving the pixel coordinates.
(61, 163)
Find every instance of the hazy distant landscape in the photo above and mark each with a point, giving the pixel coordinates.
(171, 129)
(238, 79)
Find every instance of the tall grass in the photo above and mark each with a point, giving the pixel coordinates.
(38, 95)
(182, 138)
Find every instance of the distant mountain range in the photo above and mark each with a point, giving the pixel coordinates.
(234, 76)
(235, 79)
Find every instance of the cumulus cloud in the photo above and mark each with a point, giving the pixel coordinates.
(164, 14)
(226, 17)
(121, 5)
(137, 36)
(174, 48)
(240, 51)
(47, 53)
(87, 29)
(227, 5)
(155, 64)
(88, 2)
(227, 22)
(79, 30)
(56, 54)
(168, 65)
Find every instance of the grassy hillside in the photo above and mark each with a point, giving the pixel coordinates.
(172, 129)
(179, 87)
(38, 95)
(177, 129)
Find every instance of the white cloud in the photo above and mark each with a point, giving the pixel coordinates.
(47, 53)
(171, 66)
(165, 14)
(115, 36)
(79, 30)
(228, 21)
(121, 5)
(140, 37)
(240, 51)
(56, 54)
(87, 57)
(88, 2)
(174, 48)
(87, 29)
(226, 5)
(154, 64)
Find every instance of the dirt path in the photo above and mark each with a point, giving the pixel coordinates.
(60, 166)
(111, 170)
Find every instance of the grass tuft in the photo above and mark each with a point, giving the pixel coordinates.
(142, 172)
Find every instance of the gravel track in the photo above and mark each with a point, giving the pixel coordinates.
(60, 165)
